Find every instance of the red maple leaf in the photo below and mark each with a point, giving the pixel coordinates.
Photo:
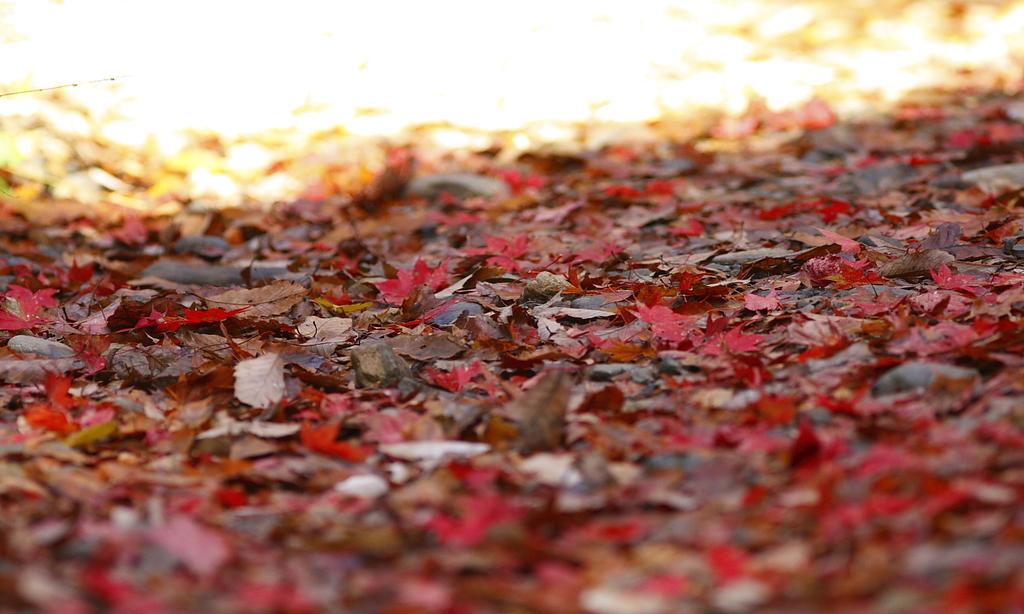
(950, 281)
(197, 316)
(480, 513)
(397, 290)
(29, 304)
(806, 449)
(689, 228)
(665, 323)
(734, 341)
(756, 302)
(57, 387)
(727, 562)
(133, 234)
(155, 317)
(508, 251)
(942, 337)
(847, 244)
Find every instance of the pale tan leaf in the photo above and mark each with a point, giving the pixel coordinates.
(229, 427)
(259, 382)
(271, 300)
(322, 329)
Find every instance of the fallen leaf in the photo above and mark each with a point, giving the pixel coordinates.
(916, 264)
(259, 382)
(324, 439)
(847, 244)
(433, 450)
(540, 413)
(270, 300)
(202, 550)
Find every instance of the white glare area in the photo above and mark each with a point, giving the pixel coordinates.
(377, 68)
(786, 21)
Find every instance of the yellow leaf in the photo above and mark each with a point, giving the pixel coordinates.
(92, 434)
(340, 310)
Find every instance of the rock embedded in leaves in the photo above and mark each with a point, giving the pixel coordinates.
(540, 289)
(459, 185)
(919, 375)
(456, 311)
(376, 364)
(27, 344)
(209, 246)
(189, 273)
(998, 178)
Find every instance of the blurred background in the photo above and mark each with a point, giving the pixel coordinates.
(251, 102)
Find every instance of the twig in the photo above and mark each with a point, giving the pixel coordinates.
(57, 87)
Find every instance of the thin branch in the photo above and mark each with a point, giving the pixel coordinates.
(57, 87)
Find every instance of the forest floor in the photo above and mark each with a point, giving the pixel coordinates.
(778, 372)
(770, 362)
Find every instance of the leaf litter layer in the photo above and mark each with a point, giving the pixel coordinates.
(777, 372)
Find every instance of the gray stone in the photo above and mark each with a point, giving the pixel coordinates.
(455, 311)
(202, 245)
(998, 178)
(25, 344)
(189, 273)
(459, 185)
(591, 301)
(376, 364)
(924, 376)
(605, 372)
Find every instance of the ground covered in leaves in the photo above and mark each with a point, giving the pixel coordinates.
(774, 368)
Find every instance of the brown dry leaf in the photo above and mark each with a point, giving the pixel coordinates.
(426, 347)
(540, 413)
(259, 382)
(271, 300)
(919, 263)
(969, 252)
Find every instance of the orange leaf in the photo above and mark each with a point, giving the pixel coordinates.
(324, 440)
(42, 417)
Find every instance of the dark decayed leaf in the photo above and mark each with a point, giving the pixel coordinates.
(540, 413)
(916, 264)
(946, 235)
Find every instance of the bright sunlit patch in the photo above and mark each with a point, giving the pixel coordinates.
(786, 21)
(377, 68)
(883, 72)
